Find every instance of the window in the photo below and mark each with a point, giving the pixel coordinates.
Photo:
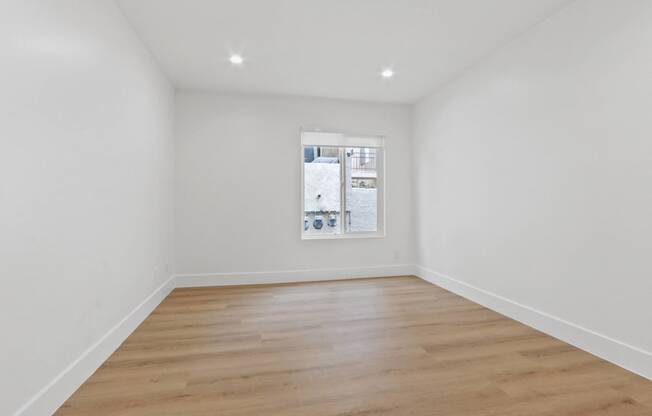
(342, 186)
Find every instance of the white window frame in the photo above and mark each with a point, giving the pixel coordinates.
(309, 138)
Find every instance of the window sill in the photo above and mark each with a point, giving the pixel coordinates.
(342, 236)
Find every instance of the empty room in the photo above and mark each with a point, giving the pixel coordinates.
(326, 208)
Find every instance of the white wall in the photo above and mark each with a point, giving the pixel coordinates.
(86, 184)
(534, 171)
(238, 200)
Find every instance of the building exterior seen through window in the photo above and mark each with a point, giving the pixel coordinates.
(341, 190)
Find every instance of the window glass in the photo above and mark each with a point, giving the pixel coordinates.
(343, 182)
(361, 190)
(322, 190)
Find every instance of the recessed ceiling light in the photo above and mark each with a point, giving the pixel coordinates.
(236, 59)
(387, 73)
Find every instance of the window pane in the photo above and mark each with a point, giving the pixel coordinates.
(322, 195)
(361, 189)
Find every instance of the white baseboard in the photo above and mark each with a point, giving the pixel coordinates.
(291, 276)
(57, 391)
(624, 355)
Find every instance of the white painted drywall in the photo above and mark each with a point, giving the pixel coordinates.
(238, 167)
(86, 165)
(534, 171)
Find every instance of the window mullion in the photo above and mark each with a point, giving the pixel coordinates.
(342, 190)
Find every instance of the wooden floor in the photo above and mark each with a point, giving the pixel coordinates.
(390, 346)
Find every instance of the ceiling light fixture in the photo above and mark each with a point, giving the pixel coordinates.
(236, 59)
(387, 73)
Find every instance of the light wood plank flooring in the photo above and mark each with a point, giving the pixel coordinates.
(389, 346)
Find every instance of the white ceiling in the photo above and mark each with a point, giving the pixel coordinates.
(327, 48)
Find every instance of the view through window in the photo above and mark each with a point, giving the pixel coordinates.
(341, 188)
